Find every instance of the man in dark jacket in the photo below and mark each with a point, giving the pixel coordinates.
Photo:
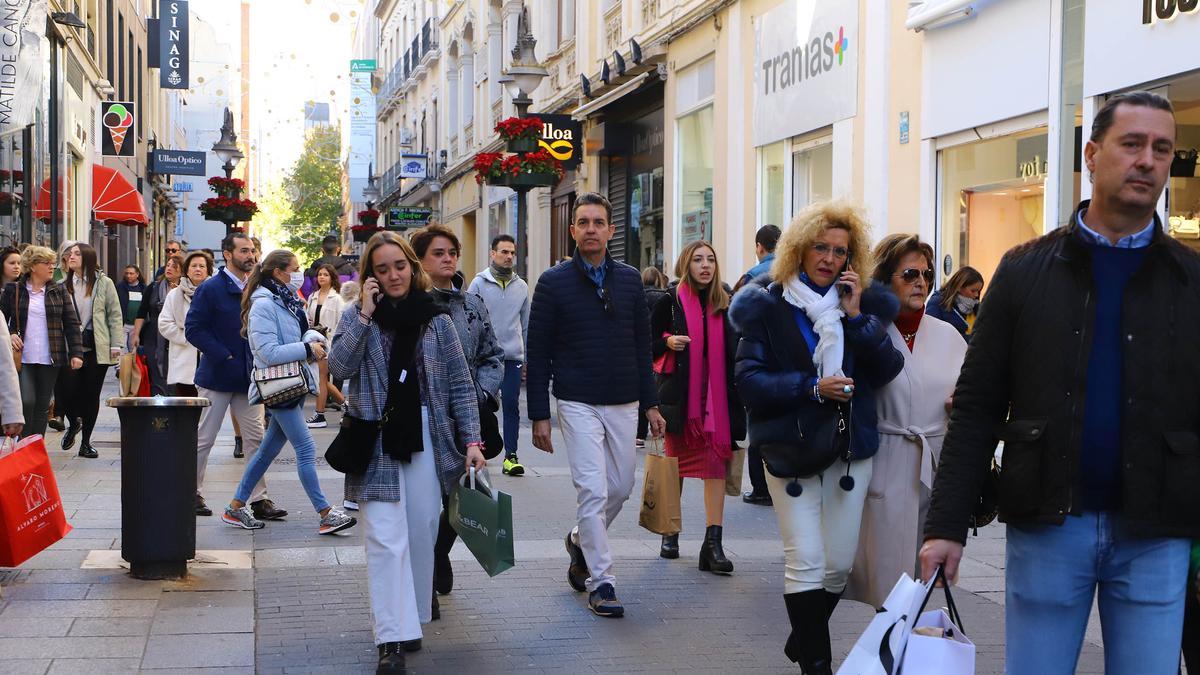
(765, 241)
(589, 329)
(1080, 364)
(214, 327)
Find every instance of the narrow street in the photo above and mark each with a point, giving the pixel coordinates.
(285, 600)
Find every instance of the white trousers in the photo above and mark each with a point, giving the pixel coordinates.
(600, 448)
(250, 417)
(820, 527)
(399, 543)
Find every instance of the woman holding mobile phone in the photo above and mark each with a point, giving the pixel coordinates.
(407, 372)
(804, 345)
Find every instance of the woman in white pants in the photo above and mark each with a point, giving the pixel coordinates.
(813, 337)
(407, 373)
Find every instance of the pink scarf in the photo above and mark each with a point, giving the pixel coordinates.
(708, 412)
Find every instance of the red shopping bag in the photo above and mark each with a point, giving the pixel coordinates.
(31, 512)
(144, 369)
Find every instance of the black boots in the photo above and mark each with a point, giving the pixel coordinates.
(670, 546)
(391, 659)
(808, 644)
(443, 571)
(712, 554)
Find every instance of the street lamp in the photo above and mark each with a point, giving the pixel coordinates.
(226, 148)
(371, 192)
(522, 78)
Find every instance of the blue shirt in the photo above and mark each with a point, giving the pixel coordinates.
(596, 274)
(1138, 240)
(762, 267)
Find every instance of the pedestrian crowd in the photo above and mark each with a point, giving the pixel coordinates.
(869, 405)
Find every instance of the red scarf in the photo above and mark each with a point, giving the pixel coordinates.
(708, 411)
(908, 324)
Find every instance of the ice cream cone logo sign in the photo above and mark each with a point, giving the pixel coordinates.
(117, 118)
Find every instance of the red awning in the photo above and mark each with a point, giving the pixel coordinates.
(114, 200)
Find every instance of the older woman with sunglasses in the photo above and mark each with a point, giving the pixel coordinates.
(913, 412)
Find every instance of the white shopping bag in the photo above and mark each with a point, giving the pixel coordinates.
(881, 647)
(953, 654)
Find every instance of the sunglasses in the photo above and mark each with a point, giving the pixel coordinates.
(910, 275)
(839, 252)
(607, 298)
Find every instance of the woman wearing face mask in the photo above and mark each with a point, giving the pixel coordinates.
(274, 322)
(913, 413)
(406, 367)
(957, 302)
(182, 357)
(94, 297)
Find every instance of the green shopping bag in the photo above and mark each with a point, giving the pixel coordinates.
(482, 517)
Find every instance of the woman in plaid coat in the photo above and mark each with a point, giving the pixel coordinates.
(406, 368)
(48, 337)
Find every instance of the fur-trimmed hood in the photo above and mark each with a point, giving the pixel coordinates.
(759, 295)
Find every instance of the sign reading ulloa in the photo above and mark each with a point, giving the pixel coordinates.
(173, 44)
(562, 137)
(806, 68)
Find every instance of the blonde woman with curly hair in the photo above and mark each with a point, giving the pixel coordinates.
(813, 352)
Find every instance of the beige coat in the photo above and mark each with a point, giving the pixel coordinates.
(10, 388)
(912, 423)
(182, 357)
(331, 310)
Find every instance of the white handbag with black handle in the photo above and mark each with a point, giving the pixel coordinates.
(276, 386)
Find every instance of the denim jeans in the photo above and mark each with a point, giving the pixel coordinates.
(287, 424)
(510, 398)
(1052, 573)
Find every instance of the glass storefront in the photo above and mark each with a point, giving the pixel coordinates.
(992, 199)
(771, 193)
(1183, 188)
(812, 175)
(793, 174)
(696, 139)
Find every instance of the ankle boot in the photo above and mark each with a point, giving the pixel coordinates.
(443, 571)
(808, 644)
(391, 659)
(831, 603)
(670, 546)
(712, 554)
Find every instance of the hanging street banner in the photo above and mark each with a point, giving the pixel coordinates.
(22, 34)
(179, 162)
(562, 137)
(360, 141)
(173, 44)
(116, 121)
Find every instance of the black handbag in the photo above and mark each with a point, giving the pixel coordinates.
(988, 506)
(822, 436)
(354, 446)
(489, 428)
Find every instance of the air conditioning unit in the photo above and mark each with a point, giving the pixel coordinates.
(406, 137)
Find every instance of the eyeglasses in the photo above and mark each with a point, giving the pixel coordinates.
(839, 252)
(910, 275)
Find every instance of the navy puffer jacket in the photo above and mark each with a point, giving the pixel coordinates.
(594, 356)
(774, 366)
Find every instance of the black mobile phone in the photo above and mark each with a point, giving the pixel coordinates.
(844, 289)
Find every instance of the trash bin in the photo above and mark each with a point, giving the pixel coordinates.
(158, 483)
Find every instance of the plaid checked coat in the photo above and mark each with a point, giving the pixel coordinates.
(360, 354)
(62, 323)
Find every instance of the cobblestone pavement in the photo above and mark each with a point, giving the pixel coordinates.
(301, 606)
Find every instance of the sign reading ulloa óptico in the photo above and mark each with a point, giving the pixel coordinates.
(178, 162)
(562, 137)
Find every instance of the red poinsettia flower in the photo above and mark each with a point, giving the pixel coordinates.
(519, 127)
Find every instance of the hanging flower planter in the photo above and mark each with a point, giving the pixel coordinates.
(227, 209)
(530, 169)
(363, 233)
(227, 187)
(523, 145)
(369, 217)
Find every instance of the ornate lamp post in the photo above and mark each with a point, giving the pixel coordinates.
(522, 78)
(228, 206)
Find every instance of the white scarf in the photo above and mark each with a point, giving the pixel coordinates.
(826, 314)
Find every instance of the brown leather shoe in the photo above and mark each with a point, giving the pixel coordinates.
(265, 509)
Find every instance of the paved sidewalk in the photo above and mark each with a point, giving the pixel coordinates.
(302, 605)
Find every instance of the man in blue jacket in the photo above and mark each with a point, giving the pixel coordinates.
(214, 326)
(589, 329)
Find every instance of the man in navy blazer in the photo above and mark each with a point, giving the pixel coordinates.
(214, 327)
